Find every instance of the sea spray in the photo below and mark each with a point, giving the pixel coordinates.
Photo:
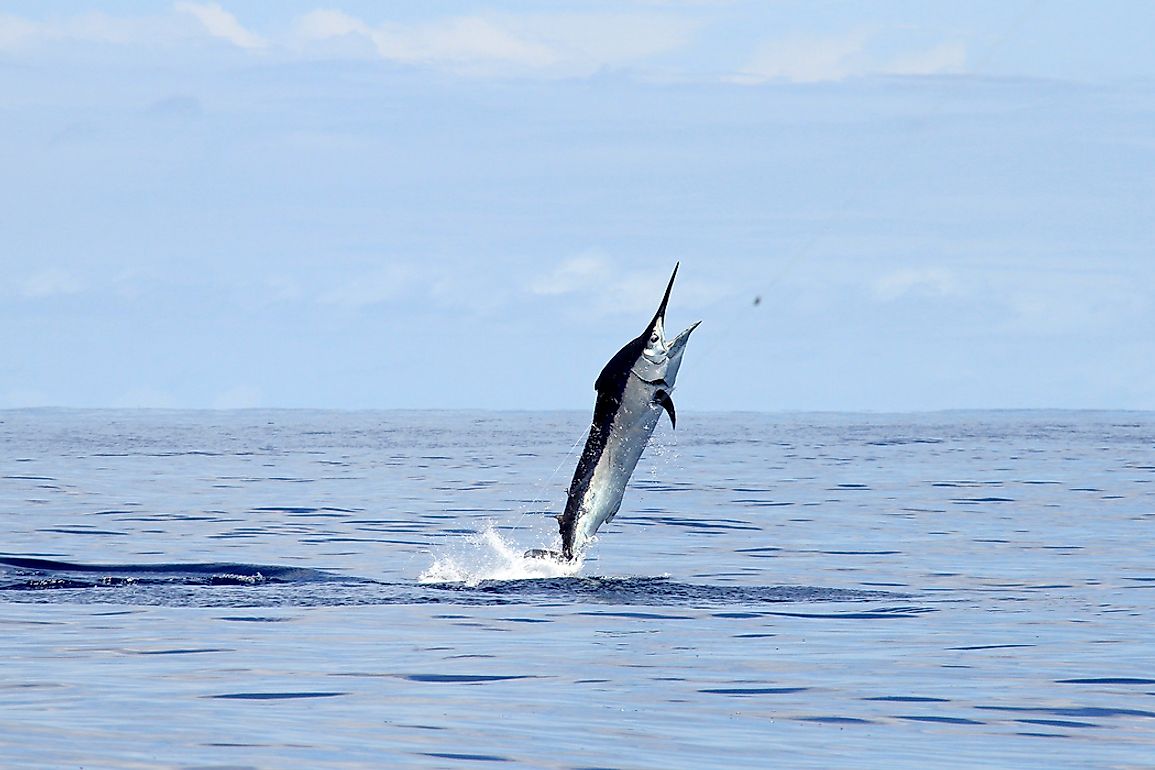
(488, 555)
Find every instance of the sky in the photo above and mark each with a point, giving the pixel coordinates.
(886, 206)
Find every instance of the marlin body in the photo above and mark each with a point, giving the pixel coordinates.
(632, 390)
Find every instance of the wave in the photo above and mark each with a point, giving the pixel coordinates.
(662, 591)
(30, 574)
(487, 570)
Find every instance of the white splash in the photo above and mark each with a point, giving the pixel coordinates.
(489, 556)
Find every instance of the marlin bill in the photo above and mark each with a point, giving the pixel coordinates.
(632, 391)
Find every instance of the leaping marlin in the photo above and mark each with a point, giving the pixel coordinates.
(633, 389)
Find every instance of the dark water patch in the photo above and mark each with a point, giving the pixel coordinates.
(1085, 712)
(22, 573)
(463, 678)
(903, 441)
(637, 615)
(969, 500)
(417, 726)
(303, 511)
(657, 591)
(693, 524)
(274, 695)
(753, 690)
(1057, 723)
(464, 757)
(835, 720)
(990, 646)
(879, 614)
(907, 699)
(83, 531)
(1107, 680)
(186, 651)
(942, 720)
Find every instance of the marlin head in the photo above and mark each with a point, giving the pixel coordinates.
(660, 358)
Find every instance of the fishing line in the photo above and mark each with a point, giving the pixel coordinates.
(538, 500)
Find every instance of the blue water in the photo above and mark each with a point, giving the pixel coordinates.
(299, 589)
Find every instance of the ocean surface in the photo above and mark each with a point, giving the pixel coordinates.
(313, 589)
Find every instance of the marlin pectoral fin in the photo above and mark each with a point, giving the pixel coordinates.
(663, 398)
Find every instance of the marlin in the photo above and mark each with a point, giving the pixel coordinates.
(632, 390)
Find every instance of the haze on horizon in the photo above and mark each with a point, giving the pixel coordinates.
(885, 206)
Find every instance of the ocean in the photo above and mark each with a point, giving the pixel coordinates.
(327, 589)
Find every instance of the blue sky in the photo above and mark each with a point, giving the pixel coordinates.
(452, 204)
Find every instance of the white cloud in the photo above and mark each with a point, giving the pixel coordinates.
(51, 282)
(606, 289)
(221, 24)
(381, 285)
(588, 42)
(837, 57)
(1072, 302)
(941, 59)
(325, 24)
(457, 43)
(553, 44)
(15, 31)
(157, 30)
(806, 59)
(925, 281)
(577, 274)
(466, 42)
(95, 27)
(482, 44)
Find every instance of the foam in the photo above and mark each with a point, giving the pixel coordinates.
(488, 555)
